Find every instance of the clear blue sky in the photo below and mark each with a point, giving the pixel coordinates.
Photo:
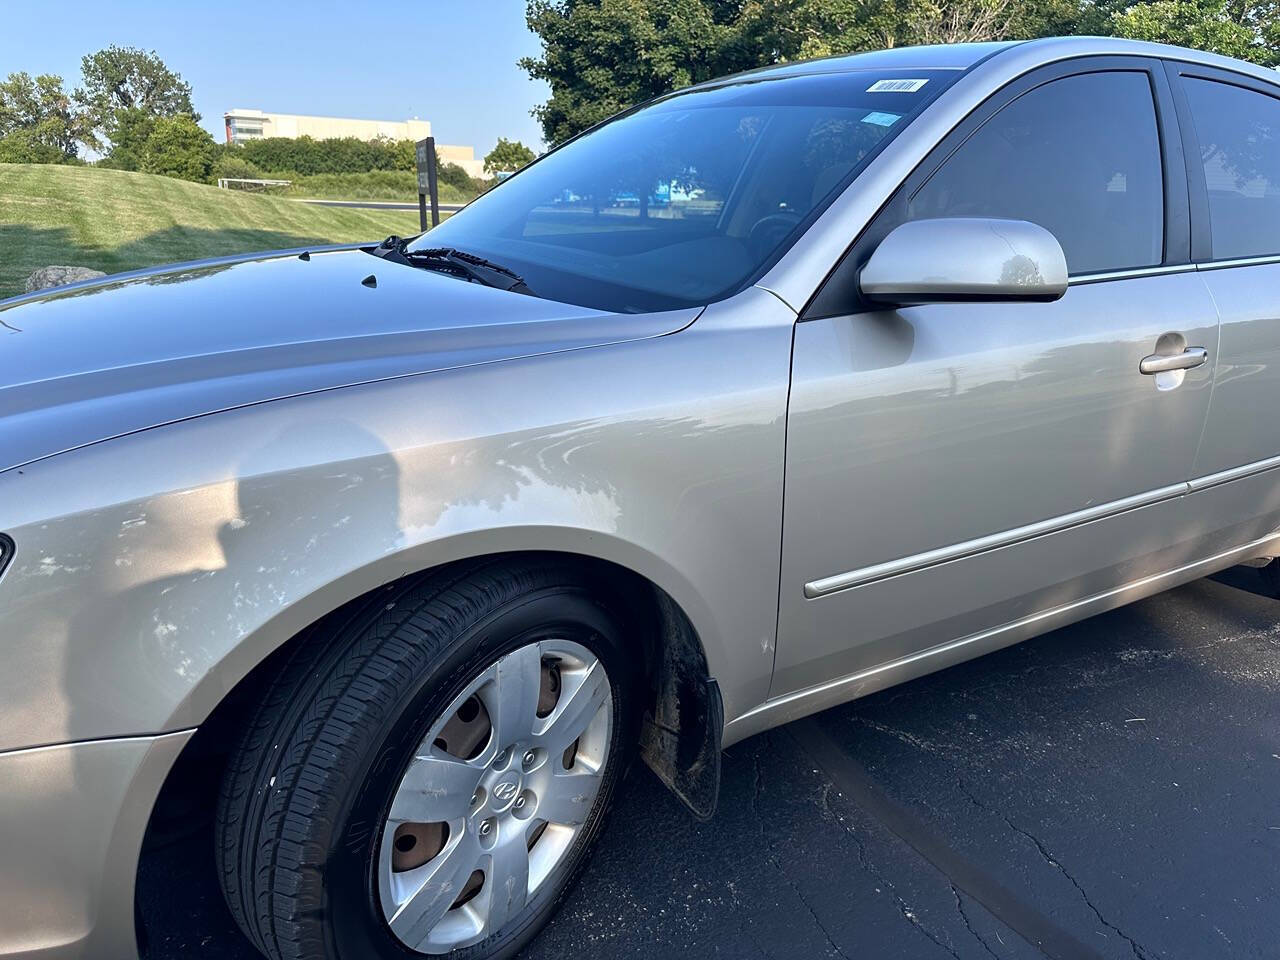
(447, 61)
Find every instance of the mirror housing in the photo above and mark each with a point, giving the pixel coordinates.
(965, 260)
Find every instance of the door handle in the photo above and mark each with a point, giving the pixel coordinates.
(1163, 363)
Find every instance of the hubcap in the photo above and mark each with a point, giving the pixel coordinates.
(495, 796)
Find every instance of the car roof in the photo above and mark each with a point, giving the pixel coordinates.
(962, 56)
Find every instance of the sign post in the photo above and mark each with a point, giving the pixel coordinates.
(427, 186)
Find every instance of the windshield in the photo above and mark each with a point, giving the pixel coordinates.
(686, 201)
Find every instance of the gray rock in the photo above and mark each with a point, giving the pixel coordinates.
(47, 277)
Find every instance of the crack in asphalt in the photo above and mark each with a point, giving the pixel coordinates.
(1134, 946)
(964, 915)
(757, 789)
(1029, 923)
(864, 861)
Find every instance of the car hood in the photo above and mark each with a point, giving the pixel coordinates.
(93, 361)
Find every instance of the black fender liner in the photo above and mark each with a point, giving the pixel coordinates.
(682, 731)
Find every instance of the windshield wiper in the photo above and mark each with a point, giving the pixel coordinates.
(457, 262)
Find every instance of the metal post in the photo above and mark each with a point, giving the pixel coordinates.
(431, 181)
(425, 155)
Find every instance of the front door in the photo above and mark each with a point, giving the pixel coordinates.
(953, 469)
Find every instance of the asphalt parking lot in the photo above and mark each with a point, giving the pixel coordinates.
(1109, 790)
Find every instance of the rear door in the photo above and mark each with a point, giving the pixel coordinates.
(1232, 140)
(954, 470)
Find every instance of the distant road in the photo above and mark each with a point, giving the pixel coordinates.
(375, 204)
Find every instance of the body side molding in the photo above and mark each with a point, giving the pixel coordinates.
(815, 589)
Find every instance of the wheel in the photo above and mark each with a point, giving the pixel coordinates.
(425, 775)
(1271, 577)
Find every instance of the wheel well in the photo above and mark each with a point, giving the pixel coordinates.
(680, 734)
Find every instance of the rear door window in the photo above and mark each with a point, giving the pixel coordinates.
(1239, 137)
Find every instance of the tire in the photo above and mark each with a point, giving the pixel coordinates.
(304, 810)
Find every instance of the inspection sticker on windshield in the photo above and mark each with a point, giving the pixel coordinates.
(881, 119)
(896, 86)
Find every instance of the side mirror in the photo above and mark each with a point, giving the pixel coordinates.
(965, 260)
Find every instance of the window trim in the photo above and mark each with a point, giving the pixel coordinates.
(1201, 227)
(838, 294)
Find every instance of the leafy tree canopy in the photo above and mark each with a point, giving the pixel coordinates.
(38, 121)
(1248, 31)
(602, 56)
(507, 157)
(127, 78)
(179, 147)
(129, 134)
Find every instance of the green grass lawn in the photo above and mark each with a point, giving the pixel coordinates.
(112, 220)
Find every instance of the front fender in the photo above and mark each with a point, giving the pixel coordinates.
(152, 572)
(290, 620)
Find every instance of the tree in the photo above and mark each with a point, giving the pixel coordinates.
(25, 146)
(231, 165)
(38, 121)
(455, 176)
(1244, 30)
(815, 28)
(129, 134)
(602, 56)
(127, 78)
(405, 154)
(179, 147)
(507, 157)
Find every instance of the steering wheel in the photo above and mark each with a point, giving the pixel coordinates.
(769, 231)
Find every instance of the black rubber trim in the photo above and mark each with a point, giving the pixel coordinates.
(7, 550)
(1197, 191)
(852, 780)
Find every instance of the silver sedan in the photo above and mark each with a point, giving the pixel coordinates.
(384, 561)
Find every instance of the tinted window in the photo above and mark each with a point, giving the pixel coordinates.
(1079, 156)
(1239, 134)
(683, 202)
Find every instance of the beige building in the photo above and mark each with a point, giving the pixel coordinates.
(464, 157)
(243, 125)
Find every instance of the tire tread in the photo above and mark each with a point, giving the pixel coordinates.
(316, 719)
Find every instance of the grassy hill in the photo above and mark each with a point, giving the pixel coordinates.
(112, 220)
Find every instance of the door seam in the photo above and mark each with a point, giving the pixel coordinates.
(1213, 378)
(782, 512)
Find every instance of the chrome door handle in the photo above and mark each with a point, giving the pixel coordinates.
(1160, 363)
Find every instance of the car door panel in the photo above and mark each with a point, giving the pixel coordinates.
(954, 469)
(1244, 419)
(950, 430)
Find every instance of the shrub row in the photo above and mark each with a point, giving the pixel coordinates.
(375, 185)
(280, 158)
(306, 156)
